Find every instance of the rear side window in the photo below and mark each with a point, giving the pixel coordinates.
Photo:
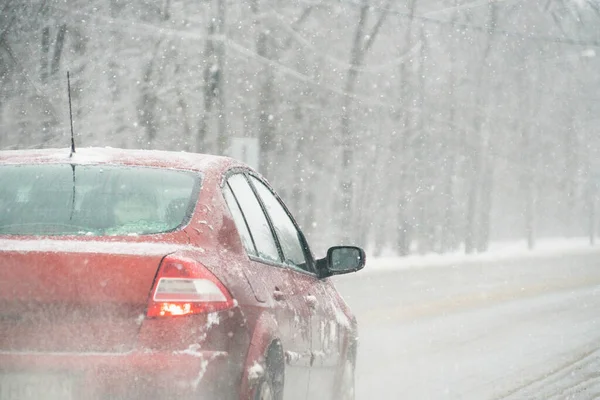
(288, 235)
(239, 220)
(61, 199)
(255, 217)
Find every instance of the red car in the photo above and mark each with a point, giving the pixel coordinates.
(130, 274)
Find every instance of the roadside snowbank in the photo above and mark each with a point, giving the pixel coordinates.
(499, 251)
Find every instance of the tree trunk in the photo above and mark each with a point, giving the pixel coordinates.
(528, 187)
(404, 230)
(423, 160)
(592, 215)
(570, 177)
(209, 90)
(346, 222)
(148, 100)
(187, 130)
(266, 110)
(480, 152)
(58, 48)
(214, 83)
(449, 238)
(361, 44)
(44, 56)
(223, 138)
(487, 189)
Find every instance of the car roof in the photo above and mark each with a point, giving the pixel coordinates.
(109, 155)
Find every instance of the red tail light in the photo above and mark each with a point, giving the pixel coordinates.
(183, 287)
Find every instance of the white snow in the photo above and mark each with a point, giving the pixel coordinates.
(206, 223)
(255, 372)
(292, 356)
(195, 350)
(521, 326)
(341, 318)
(204, 366)
(212, 319)
(499, 251)
(108, 155)
(81, 246)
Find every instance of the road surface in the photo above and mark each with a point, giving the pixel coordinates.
(518, 329)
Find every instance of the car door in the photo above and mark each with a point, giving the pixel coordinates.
(328, 341)
(314, 292)
(273, 284)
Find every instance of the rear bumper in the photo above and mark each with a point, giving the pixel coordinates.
(133, 375)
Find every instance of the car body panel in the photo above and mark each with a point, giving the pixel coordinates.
(293, 317)
(333, 337)
(63, 301)
(143, 375)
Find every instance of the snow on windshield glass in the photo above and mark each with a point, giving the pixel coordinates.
(63, 199)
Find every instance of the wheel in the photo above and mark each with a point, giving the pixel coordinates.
(270, 386)
(265, 389)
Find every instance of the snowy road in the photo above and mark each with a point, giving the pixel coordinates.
(490, 330)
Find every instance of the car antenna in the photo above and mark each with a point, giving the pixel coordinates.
(70, 115)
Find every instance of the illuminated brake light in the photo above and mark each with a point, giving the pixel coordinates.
(175, 309)
(185, 287)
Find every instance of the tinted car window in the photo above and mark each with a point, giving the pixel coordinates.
(257, 221)
(285, 229)
(239, 220)
(59, 199)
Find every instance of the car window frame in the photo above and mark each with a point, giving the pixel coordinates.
(249, 225)
(301, 239)
(310, 261)
(239, 206)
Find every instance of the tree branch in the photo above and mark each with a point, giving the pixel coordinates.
(302, 18)
(377, 27)
(296, 25)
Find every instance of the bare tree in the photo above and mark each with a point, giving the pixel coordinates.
(449, 227)
(478, 205)
(478, 125)
(363, 40)
(214, 80)
(403, 139)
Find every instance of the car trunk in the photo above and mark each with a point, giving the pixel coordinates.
(86, 296)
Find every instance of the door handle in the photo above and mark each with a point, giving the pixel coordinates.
(278, 295)
(311, 301)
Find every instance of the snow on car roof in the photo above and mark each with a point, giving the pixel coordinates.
(109, 155)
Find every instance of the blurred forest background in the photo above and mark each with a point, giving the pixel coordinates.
(404, 126)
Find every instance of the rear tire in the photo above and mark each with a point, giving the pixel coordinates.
(266, 388)
(270, 386)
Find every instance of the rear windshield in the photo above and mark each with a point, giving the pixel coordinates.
(63, 199)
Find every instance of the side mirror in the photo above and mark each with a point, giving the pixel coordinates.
(341, 260)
